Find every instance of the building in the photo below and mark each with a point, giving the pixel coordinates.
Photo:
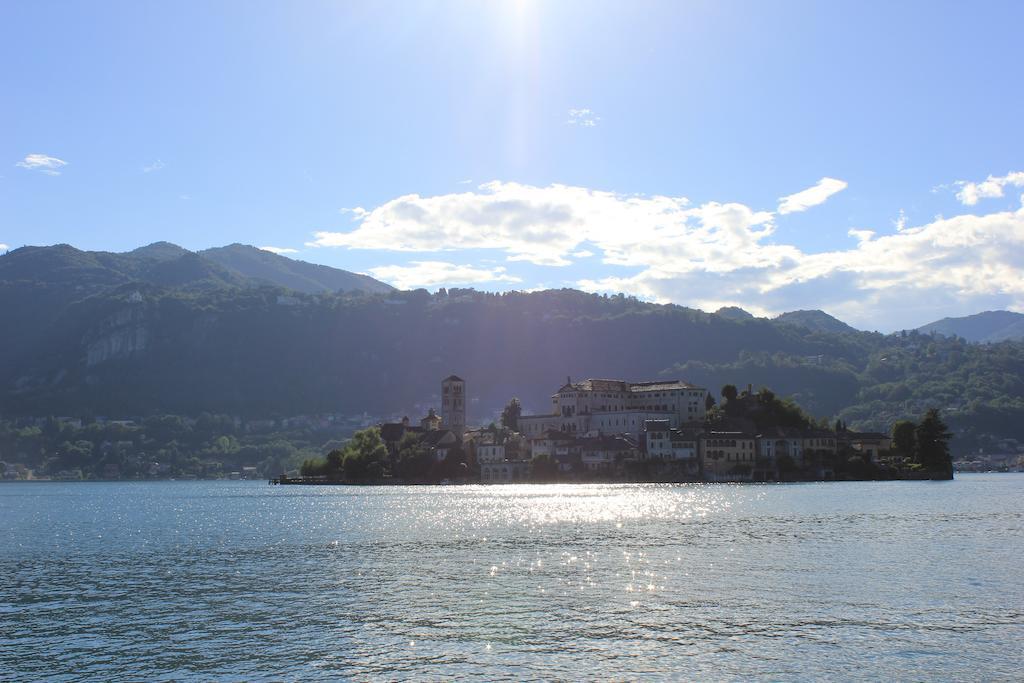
(432, 422)
(820, 442)
(663, 443)
(506, 472)
(607, 406)
(605, 453)
(728, 456)
(869, 444)
(442, 443)
(453, 404)
(503, 463)
(780, 442)
(488, 454)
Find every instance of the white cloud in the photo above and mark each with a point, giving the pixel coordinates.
(901, 221)
(280, 250)
(583, 117)
(665, 249)
(42, 163)
(812, 196)
(582, 253)
(155, 166)
(432, 274)
(991, 187)
(893, 281)
(542, 225)
(358, 213)
(4, 247)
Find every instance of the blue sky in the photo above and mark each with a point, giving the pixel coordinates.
(643, 146)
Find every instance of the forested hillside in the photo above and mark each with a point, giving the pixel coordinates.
(87, 341)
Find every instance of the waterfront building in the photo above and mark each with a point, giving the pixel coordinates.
(728, 456)
(868, 444)
(505, 462)
(487, 454)
(506, 472)
(775, 443)
(662, 441)
(605, 453)
(820, 442)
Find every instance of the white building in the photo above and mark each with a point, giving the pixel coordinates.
(505, 472)
(502, 464)
(608, 406)
(663, 442)
(490, 453)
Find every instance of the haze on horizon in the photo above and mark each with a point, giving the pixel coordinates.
(859, 158)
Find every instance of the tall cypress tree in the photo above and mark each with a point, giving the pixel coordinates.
(933, 442)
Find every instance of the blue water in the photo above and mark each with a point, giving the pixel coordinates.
(244, 581)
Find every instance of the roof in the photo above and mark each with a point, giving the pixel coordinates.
(728, 435)
(781, 433)
(435, 437)
(866, 435)
(624, 386)
(453, 378)
(555, 435)
(662, 385)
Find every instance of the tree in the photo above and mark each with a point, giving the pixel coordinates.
(933, 442)
(413, 459)
(364, 455)
(335, 459)
(729, 392)
(510, 415)
(904, 439)
(709, 402)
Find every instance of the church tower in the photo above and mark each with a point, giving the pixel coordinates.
(453, 404)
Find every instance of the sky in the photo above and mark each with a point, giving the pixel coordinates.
(864, 158)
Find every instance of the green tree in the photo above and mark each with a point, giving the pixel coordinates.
(334, 461)
(933, 442)
(510, 415)
(729, 392)
(365, 456)
(413, 459)
(904, 439)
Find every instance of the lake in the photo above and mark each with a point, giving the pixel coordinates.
(245, 581)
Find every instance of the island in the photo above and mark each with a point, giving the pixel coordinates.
(610, 430)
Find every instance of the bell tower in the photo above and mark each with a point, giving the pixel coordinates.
(453, 404)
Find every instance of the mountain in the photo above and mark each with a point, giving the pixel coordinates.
(817, 321)
(160, 264)
(733, 313)
(169, 265)
(264, 266)
(166, 331)
(987, 327)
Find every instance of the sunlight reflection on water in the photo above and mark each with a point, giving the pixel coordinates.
(174, 580)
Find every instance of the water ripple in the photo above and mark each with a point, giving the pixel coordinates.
(247, 582)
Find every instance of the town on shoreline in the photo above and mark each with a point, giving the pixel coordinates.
(603, 430)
